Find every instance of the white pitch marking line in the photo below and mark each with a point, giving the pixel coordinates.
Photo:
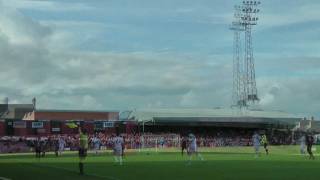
(3, 178)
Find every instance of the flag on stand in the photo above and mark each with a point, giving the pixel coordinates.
(72, 125)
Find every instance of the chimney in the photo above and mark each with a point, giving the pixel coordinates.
(34, 102)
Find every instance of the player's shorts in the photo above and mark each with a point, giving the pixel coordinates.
(61, 148)
(192, 149)
(183, 147)
(82, 152)
(256, 148)
(117, 151)
(265, 145)
(97, 147)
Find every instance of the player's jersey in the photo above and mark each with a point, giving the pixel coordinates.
(264, 139)
(96, 141)
(61, 142)
(184, 143)
(192, 141)
(256, 139)
(83, 141)
(117, 143)
(303, 140)
(310, 140)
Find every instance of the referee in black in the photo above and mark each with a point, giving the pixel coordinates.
(183, 145)
(309, 141)
(83, 147)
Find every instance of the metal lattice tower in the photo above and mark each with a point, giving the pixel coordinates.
(238, 83)
(244, 83)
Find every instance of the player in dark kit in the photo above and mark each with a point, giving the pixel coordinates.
(309, 141)
(43, 148)
(264, 141)
(183, 145)
(83, 147)
(37, 147)
(56, 147)
(123, 147)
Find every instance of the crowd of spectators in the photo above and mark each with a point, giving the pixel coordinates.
(147, 140)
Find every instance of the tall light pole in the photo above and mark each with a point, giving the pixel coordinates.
(249, 19)
(238, 85)
(244, 83)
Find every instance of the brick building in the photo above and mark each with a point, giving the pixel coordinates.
(26, 120)
(10, 115)
(54, 121)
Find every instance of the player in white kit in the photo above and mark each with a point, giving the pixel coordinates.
(256, 143)
(62, 144)
(96, 143)
(303, 144)
(118, 148)
(192, 148)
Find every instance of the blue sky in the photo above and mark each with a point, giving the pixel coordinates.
(124, 54)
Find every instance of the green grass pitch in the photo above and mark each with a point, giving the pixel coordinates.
(229, 163)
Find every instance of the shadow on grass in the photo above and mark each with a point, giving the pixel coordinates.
(171, 170)
(24, 156)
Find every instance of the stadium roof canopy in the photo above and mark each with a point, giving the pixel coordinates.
(212, 115)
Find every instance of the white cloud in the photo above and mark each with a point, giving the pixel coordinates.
(46, 6)
(21, 30)
(267, 99)
(59, 77)
(285, 16)
(292, 94)
(189, 99)
(88, 102)
(40, 59)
